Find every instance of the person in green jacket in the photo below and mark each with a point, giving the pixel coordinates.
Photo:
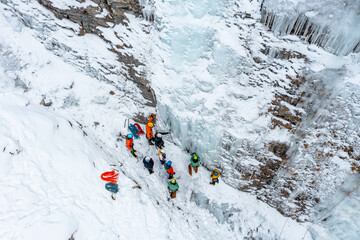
(173, 187)
(194, 163)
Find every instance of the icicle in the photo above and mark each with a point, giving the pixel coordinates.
(338, 34)
(148, 9)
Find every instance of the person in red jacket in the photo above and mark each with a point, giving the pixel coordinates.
(169, 169)
(130, 144)
(149, 130)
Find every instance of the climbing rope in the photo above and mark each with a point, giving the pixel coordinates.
(283, 227)
(318, 178)
(111, 176)
(332, 208)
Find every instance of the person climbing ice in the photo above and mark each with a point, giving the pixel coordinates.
(173, 187)
(149, 130)
(130, 144)
(148, 164)
(159, 142)
(162, 156)
(214, 176)
(169, 169)
(194, 163)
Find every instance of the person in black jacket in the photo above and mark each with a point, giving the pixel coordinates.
(149, 164)
(159, 142)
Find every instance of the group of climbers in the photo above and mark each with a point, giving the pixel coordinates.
(148, 162)
(159, 144)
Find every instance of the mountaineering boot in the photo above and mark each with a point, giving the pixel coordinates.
(133, 153)
(113, 197)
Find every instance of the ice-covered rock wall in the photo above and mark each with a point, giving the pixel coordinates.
(331, 24)
(244, 99)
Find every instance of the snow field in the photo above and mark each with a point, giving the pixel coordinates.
(52, 187)
(56, 185)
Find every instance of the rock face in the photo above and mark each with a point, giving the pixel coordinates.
(118, 7)
(88, 22)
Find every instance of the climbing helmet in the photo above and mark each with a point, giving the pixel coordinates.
(150, 124)
(169, 163)
(129, 136)
(173, 181)
(147, 159)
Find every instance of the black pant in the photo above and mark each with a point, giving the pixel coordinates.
(215, 180)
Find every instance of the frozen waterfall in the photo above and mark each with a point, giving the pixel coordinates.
(331, 24)
(188, 35)
(213, 70)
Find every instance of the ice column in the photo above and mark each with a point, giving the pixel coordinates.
(148, 9)
(331, 24)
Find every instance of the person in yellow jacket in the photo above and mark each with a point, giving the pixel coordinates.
(149, 130)
(214, 176)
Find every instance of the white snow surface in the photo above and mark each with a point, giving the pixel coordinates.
(51, 187)
(52, 157)
(50, 170)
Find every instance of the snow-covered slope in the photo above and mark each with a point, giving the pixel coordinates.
(222, 83)
(52, 157)
(51, 188)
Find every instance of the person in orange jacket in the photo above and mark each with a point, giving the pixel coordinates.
(149, 130)
(130, 144)
(162, 156)
(214, 176)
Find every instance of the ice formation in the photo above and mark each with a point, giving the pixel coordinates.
(216, 73)
(331, 24)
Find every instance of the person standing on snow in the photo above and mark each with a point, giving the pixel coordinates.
(149, 164)
(159, 142)
(173, 188)
(169, 169)
(214, 176)
(194, 163)
(130, 144)
(162, 156)
(149, 130)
